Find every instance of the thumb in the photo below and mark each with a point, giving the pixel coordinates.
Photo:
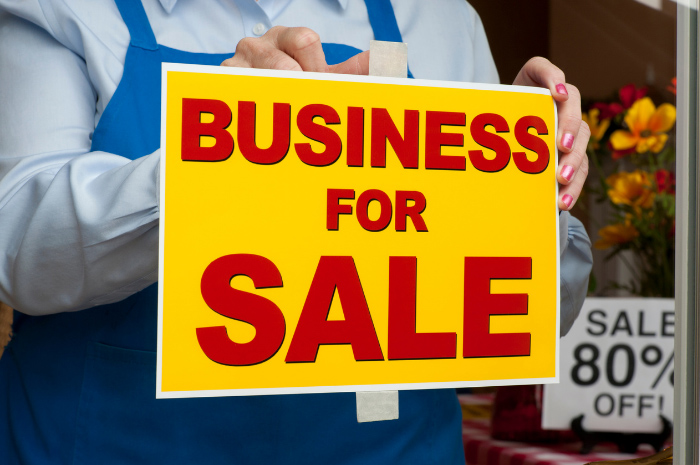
(359, 64)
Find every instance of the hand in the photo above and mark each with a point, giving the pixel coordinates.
(292, 49)
(572, 133)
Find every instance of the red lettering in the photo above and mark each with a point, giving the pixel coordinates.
(531, 142)
(314, 329)
(319, 133)
(280, 134)
(480, 304)
(385, 210)
(491, 141)
(384, 129)
(356, 136)
(435, 139)
(263, 314)
(403, 210)
(333, 207)
(404, 342)
(193, 130)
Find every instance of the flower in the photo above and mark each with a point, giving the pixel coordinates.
(647, 127)
(672, 87)
(616, 234)
(598, 127)
(617, 154)
(665, 182)
(609, 110)
(628, 95)
(633, 161)
(631, 189)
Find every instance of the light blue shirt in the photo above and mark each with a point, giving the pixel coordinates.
(60, 63)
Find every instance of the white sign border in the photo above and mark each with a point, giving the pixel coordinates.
(201, 69)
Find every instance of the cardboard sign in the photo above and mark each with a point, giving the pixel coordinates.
(617, 362)
(335, 233)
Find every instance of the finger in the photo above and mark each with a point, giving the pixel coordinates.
(540, 72)
(569, 115)
(262, 53)
(569, 194)
(573, 171)
(236, 61)
(570, 162)
(359, 64)
(301, 44)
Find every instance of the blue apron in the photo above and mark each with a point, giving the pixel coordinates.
(79, 387)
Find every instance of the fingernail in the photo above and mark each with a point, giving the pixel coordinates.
(567, 172)
(568, 140)
(561, 88)
(567, 199)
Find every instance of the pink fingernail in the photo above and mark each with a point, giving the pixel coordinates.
(568, 140)
(567, 172)
(567, 199)
(561, 88)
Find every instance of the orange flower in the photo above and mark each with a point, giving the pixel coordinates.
(647, 125)
(633, 189)
(616, 234)
(597, 127)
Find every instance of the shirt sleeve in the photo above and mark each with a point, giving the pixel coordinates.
(485, 71)
(576, 261)
(77, 228)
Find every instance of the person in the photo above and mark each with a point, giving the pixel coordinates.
(79, 174)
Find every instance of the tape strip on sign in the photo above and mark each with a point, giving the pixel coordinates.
(377, 406)
(337, 233)
(388, 59)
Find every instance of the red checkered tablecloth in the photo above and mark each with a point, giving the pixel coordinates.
(481, 449)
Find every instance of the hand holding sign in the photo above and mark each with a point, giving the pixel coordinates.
(573, 132)
(292, 49)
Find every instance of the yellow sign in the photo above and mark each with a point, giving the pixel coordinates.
(328, 233)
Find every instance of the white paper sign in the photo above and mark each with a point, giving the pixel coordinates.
(616, 367)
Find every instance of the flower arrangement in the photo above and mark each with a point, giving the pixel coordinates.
(632, 152)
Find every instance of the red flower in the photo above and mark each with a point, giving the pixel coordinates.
(628, 95)
(672, 87)
(665, 182)
(608, 110)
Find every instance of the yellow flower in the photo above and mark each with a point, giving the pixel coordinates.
(597, 127)
(631, 189)
(616, 234)
(647, 125)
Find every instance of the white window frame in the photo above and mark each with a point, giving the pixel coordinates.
(686, 434)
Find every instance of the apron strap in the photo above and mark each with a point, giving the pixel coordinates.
(383, 22)
(136, 20)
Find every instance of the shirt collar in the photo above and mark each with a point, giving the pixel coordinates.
(168, 5)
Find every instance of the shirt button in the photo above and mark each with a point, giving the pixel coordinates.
(259, 29)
